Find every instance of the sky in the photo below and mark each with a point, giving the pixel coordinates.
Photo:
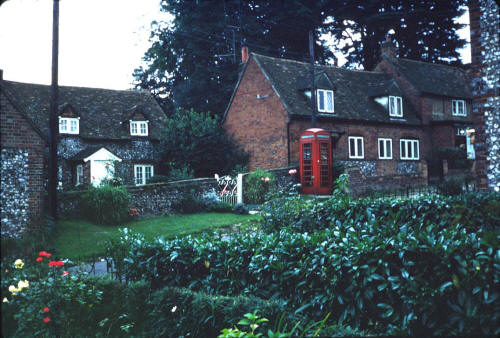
(101, 42)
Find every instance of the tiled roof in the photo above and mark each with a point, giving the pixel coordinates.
(354, 91)
(434, 78)
(103, 112)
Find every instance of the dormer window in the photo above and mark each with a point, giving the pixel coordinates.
(395, 106)
(69, 125)
(458, 108)
(139, 128)
(325, 100)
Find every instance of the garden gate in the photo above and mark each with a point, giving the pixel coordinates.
(230, 189)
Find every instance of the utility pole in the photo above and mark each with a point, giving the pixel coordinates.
(53, 121)
(313, 87)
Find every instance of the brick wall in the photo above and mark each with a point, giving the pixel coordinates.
(258, 125)
(23, 172)
(485, 48)
(372, 165)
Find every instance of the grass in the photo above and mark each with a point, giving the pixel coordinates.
(81, 240)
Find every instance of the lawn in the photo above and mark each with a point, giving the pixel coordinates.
(81, 240)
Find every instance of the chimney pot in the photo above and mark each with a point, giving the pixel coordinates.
(244, 54)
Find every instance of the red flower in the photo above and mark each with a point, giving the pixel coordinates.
(39, 259)
(46, 309)
(65, 273)
(46, 319)
(56, 263)
(44, 254)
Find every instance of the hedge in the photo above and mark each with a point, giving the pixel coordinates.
(473, 210)
(391, 279)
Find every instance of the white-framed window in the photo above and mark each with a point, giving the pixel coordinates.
(69, 125)
(385, 148)
(356, 149)
(139, 128)
(142, 172)
(395, 106)
(79, 174)
(458, 108)
(409, 149)
(325, 100)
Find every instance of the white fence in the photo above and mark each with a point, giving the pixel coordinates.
(230, 189)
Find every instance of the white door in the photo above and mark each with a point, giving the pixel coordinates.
(100, 170)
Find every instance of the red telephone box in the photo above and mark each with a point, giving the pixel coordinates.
(316, 162)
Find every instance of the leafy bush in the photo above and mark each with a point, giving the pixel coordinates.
(310, 215)
(456, 157)
(240, 208)
(257, 185)
(106, 205)
(198, 141)
(189, 203)
(451, 186)
(420, 275)
(179, 174)
(157, 179)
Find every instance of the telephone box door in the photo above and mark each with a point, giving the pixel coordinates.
(316, 162)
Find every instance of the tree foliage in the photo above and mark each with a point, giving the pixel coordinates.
(197, 141)
(424, 29)
(193, 61)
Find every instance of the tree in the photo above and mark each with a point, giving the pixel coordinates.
(424, 29)
(197, 141)
(193, 61)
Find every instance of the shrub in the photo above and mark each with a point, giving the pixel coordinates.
(240, 208)
(189, 203)
(198, 141)
(391, 279)
(451, 186)
(179, 174)
(157, 179)
(106, 205)
(257, 185)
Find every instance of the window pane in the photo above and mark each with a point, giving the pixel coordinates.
(138, 175)
(143, 128)
(400, 106)
(329, 100)
(63, 125)
(403, 149)
(381, 151)
(321, 100)
(147, 172)
(415, 149)
(388, 150)
(360, 147)
(73, 125)
(409, 149)
(391, 105)
(351, 147)
(133, 128)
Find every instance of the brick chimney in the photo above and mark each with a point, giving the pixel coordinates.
(244, 53)
(388, 48)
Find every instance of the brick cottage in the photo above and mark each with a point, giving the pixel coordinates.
(102, 133)
(385, 123)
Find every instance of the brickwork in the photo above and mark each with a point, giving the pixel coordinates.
(258, 120)
(485, 48)
(370, 134)
(23, 171)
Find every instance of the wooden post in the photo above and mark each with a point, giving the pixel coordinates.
(53, 120)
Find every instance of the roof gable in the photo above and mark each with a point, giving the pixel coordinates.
(101, 111)
(353, 90)
(102, 154)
